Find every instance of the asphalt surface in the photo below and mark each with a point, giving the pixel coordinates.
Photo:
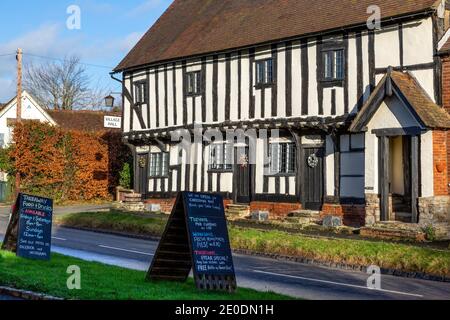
(293, 279)
(5, 209)
(7, 298)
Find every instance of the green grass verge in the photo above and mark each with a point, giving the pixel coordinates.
(358, 252)
(102, 282)
(116, 221)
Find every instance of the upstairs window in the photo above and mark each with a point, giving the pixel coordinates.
(140, 92)
(159, 165)
(264, 72)
(193, 81)
(221, 157)
(283, 158)
(333, 65)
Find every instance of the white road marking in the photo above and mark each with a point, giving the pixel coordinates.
(126, 250)
(60, 239)
(336, 283)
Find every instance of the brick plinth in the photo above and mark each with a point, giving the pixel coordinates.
(276, 209)
(167, 204)
(352, 215)
(440, 163)
(446, 105)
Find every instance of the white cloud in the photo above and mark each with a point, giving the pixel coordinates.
(52, 40)
(145, 7)
(44, 41)
(126, 44)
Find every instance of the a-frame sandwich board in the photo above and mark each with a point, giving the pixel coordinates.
(196, 237)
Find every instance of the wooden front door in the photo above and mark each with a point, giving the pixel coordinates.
(142, 174)
(242, 175)
(313, 178)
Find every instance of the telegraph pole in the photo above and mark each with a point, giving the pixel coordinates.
(19, 104)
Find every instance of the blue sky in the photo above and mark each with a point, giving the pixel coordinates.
(109, 29)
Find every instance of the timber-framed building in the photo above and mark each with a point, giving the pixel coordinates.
(360, 109)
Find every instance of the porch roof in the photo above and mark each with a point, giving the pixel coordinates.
(411, 93)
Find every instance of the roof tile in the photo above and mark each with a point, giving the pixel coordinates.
(195, 27)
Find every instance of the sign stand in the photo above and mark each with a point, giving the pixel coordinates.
(10, 240)
(30, 228)
(196, 237)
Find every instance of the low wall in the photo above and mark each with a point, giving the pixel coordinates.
(276, 209)
(435, 212)
(167, 204)
(353, 215)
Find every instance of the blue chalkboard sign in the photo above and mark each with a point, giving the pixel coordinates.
(35, 227)
(196, 237)
(208, 234)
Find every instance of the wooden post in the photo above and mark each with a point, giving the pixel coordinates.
(415, 172)
(19, 104)
(384, 178)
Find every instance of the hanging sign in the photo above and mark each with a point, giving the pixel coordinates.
(113, 122)
(196, 237)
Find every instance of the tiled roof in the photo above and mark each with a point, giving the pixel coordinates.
(445, 48)
(195, 27)
(81, 120)
(430, 113)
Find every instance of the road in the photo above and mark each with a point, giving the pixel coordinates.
(5, 209)
(293, 279)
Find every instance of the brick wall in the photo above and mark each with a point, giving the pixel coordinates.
(440, 163)
(276, 209)
(446, 104)
(352, 215)
(167, 204)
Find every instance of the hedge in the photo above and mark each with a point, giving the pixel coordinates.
(67, 165)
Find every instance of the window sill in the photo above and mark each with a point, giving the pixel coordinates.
(193, 95)
(159, 177)
(332, 82)
(264, 85)
(220, 171)
(277, 175)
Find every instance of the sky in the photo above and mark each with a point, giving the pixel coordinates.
(108, 29)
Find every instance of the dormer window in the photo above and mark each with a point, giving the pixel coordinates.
(140, 92)
(193, 82)
(264, 72)
(333, 65)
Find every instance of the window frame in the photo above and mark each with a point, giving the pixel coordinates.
(137, 87)
(197, 82)
(265, 82)
(290, 151)
(216, 166)
(333, 79)
(161, 172)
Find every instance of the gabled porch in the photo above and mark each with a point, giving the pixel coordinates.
(401, 124)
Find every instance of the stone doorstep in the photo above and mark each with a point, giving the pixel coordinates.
(237, 210)
(27, 295)
(304, 214)
(394, 231)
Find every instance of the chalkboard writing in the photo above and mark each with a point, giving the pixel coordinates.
(196, 236)
(35, 227)
(208, 234)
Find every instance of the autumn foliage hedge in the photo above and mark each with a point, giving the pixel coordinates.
(67, 165)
